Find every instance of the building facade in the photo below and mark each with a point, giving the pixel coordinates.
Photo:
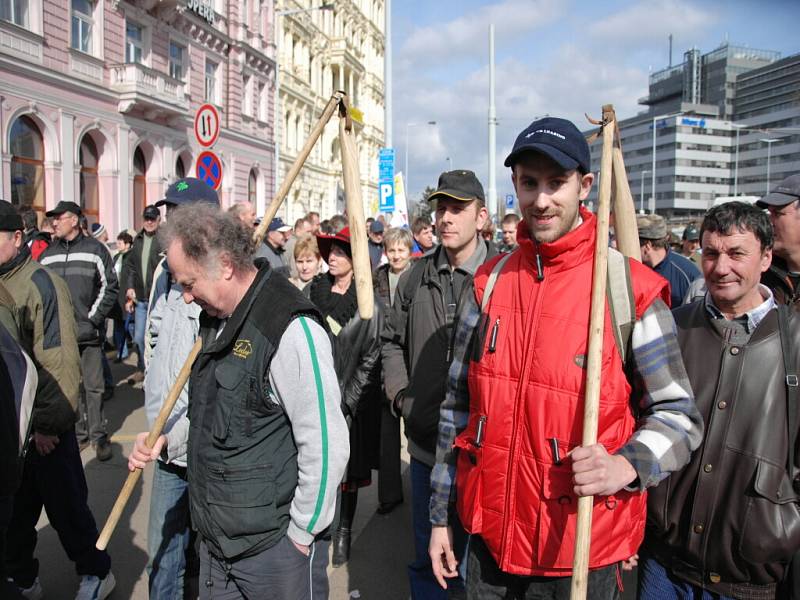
(726, 123)
(321, 49)
(97, 99)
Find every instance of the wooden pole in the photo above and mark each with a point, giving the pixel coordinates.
(272, 209)
(624, 208)
(362, 269)
(183, 375)
(594, 358)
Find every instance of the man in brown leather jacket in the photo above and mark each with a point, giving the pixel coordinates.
(728, 523)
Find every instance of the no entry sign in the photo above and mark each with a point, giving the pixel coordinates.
(206, 125)
(209, 169)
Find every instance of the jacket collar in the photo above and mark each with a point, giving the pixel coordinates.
(569, 250)
(234, 322)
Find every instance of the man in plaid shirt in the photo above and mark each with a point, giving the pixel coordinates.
(550, 171)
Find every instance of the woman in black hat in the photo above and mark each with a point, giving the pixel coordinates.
(356, 352)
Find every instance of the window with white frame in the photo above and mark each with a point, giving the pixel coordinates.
(211, 81)
(247, 95)
(262, 102)
(82, 25)
(177, 60)
(134, 43)
(15, 11)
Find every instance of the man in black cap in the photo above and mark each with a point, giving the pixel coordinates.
(783, 276)
(52, 475)
(509, 457)
(690, 243)
(375, 243)
(87, 267)
(418, 341)
(140, 264)
(273, 246)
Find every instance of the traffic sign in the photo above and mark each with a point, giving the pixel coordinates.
(209, 169)
(206, 125)
(386, 180)
(510, 201)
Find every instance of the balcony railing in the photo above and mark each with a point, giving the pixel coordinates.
(137, 83)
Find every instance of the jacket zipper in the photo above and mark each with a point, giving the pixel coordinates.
(493, 339)
(533, 319)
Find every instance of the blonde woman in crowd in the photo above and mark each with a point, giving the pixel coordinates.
(308, 260)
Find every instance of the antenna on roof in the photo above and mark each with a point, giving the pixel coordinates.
(670, 50)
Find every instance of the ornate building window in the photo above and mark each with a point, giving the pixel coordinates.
(27, 164)
(89, 189)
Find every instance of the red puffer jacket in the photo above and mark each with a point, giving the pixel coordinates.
(527, 387)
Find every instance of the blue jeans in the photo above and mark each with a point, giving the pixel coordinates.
(420, 573)
(168, 532)
(657, 583)
(139, 323)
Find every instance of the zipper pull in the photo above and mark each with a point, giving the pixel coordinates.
(554, 450)
(493, 340)
(481, 429)
(539, 267)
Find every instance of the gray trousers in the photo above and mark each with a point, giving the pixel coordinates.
(280, 572)
(91, 424)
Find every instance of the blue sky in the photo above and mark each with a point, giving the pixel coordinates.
(558, 57)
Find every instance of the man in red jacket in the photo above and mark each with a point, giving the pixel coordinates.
(514, 403)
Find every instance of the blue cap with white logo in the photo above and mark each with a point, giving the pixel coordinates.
(557, 139)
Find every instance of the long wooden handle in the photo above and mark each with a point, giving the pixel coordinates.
(272, 209)
(594, 358)
(183, 376)
(362, 269)
(624, 210)
(152, 436)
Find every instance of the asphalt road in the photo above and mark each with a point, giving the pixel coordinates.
(382, 545)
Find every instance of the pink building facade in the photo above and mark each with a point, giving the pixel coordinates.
(97, 99)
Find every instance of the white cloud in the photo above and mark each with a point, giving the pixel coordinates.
(467, 36)
(644, 22)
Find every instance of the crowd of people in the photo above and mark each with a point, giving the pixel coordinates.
(476, 351)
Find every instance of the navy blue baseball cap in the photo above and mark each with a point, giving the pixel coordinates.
(277, 224)
(188, 191)
(557, 139)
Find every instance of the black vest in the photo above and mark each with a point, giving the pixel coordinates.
(242, 461)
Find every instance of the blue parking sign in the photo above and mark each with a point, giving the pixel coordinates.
(386, 179)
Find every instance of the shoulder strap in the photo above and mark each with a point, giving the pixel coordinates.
(791, 384)
(487, 292)
(621, 304)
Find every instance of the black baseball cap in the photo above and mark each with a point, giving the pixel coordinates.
(557, 139)
(63, 207)
(188, 191)
(787, 192)
(151, 212)
(691, 233)
(459, 185)
(10, 219)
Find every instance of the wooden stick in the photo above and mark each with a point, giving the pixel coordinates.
(183, 375)
(272, 209)
(362, 269)
(594, 357)
(624, 208)
(158, 426)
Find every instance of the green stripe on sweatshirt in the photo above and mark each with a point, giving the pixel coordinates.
(323, 425)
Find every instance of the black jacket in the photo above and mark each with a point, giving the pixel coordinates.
(132, 268)
(86, 265)
(417, 350)
(784, 286)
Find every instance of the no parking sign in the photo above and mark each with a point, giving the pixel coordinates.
(209, 169)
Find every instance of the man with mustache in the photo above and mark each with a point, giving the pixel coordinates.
(418, 339)
(510, 425)
(727, 524)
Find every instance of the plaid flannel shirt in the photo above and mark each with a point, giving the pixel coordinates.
(669, 427)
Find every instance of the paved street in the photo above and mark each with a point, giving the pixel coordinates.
(381, 549)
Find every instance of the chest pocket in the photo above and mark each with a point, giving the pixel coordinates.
(240, 411)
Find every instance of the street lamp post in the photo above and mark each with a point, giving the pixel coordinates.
(641, 191)
(768, 142)
(449, 164)
(409, 125)
(736, 160)
(655, 119)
